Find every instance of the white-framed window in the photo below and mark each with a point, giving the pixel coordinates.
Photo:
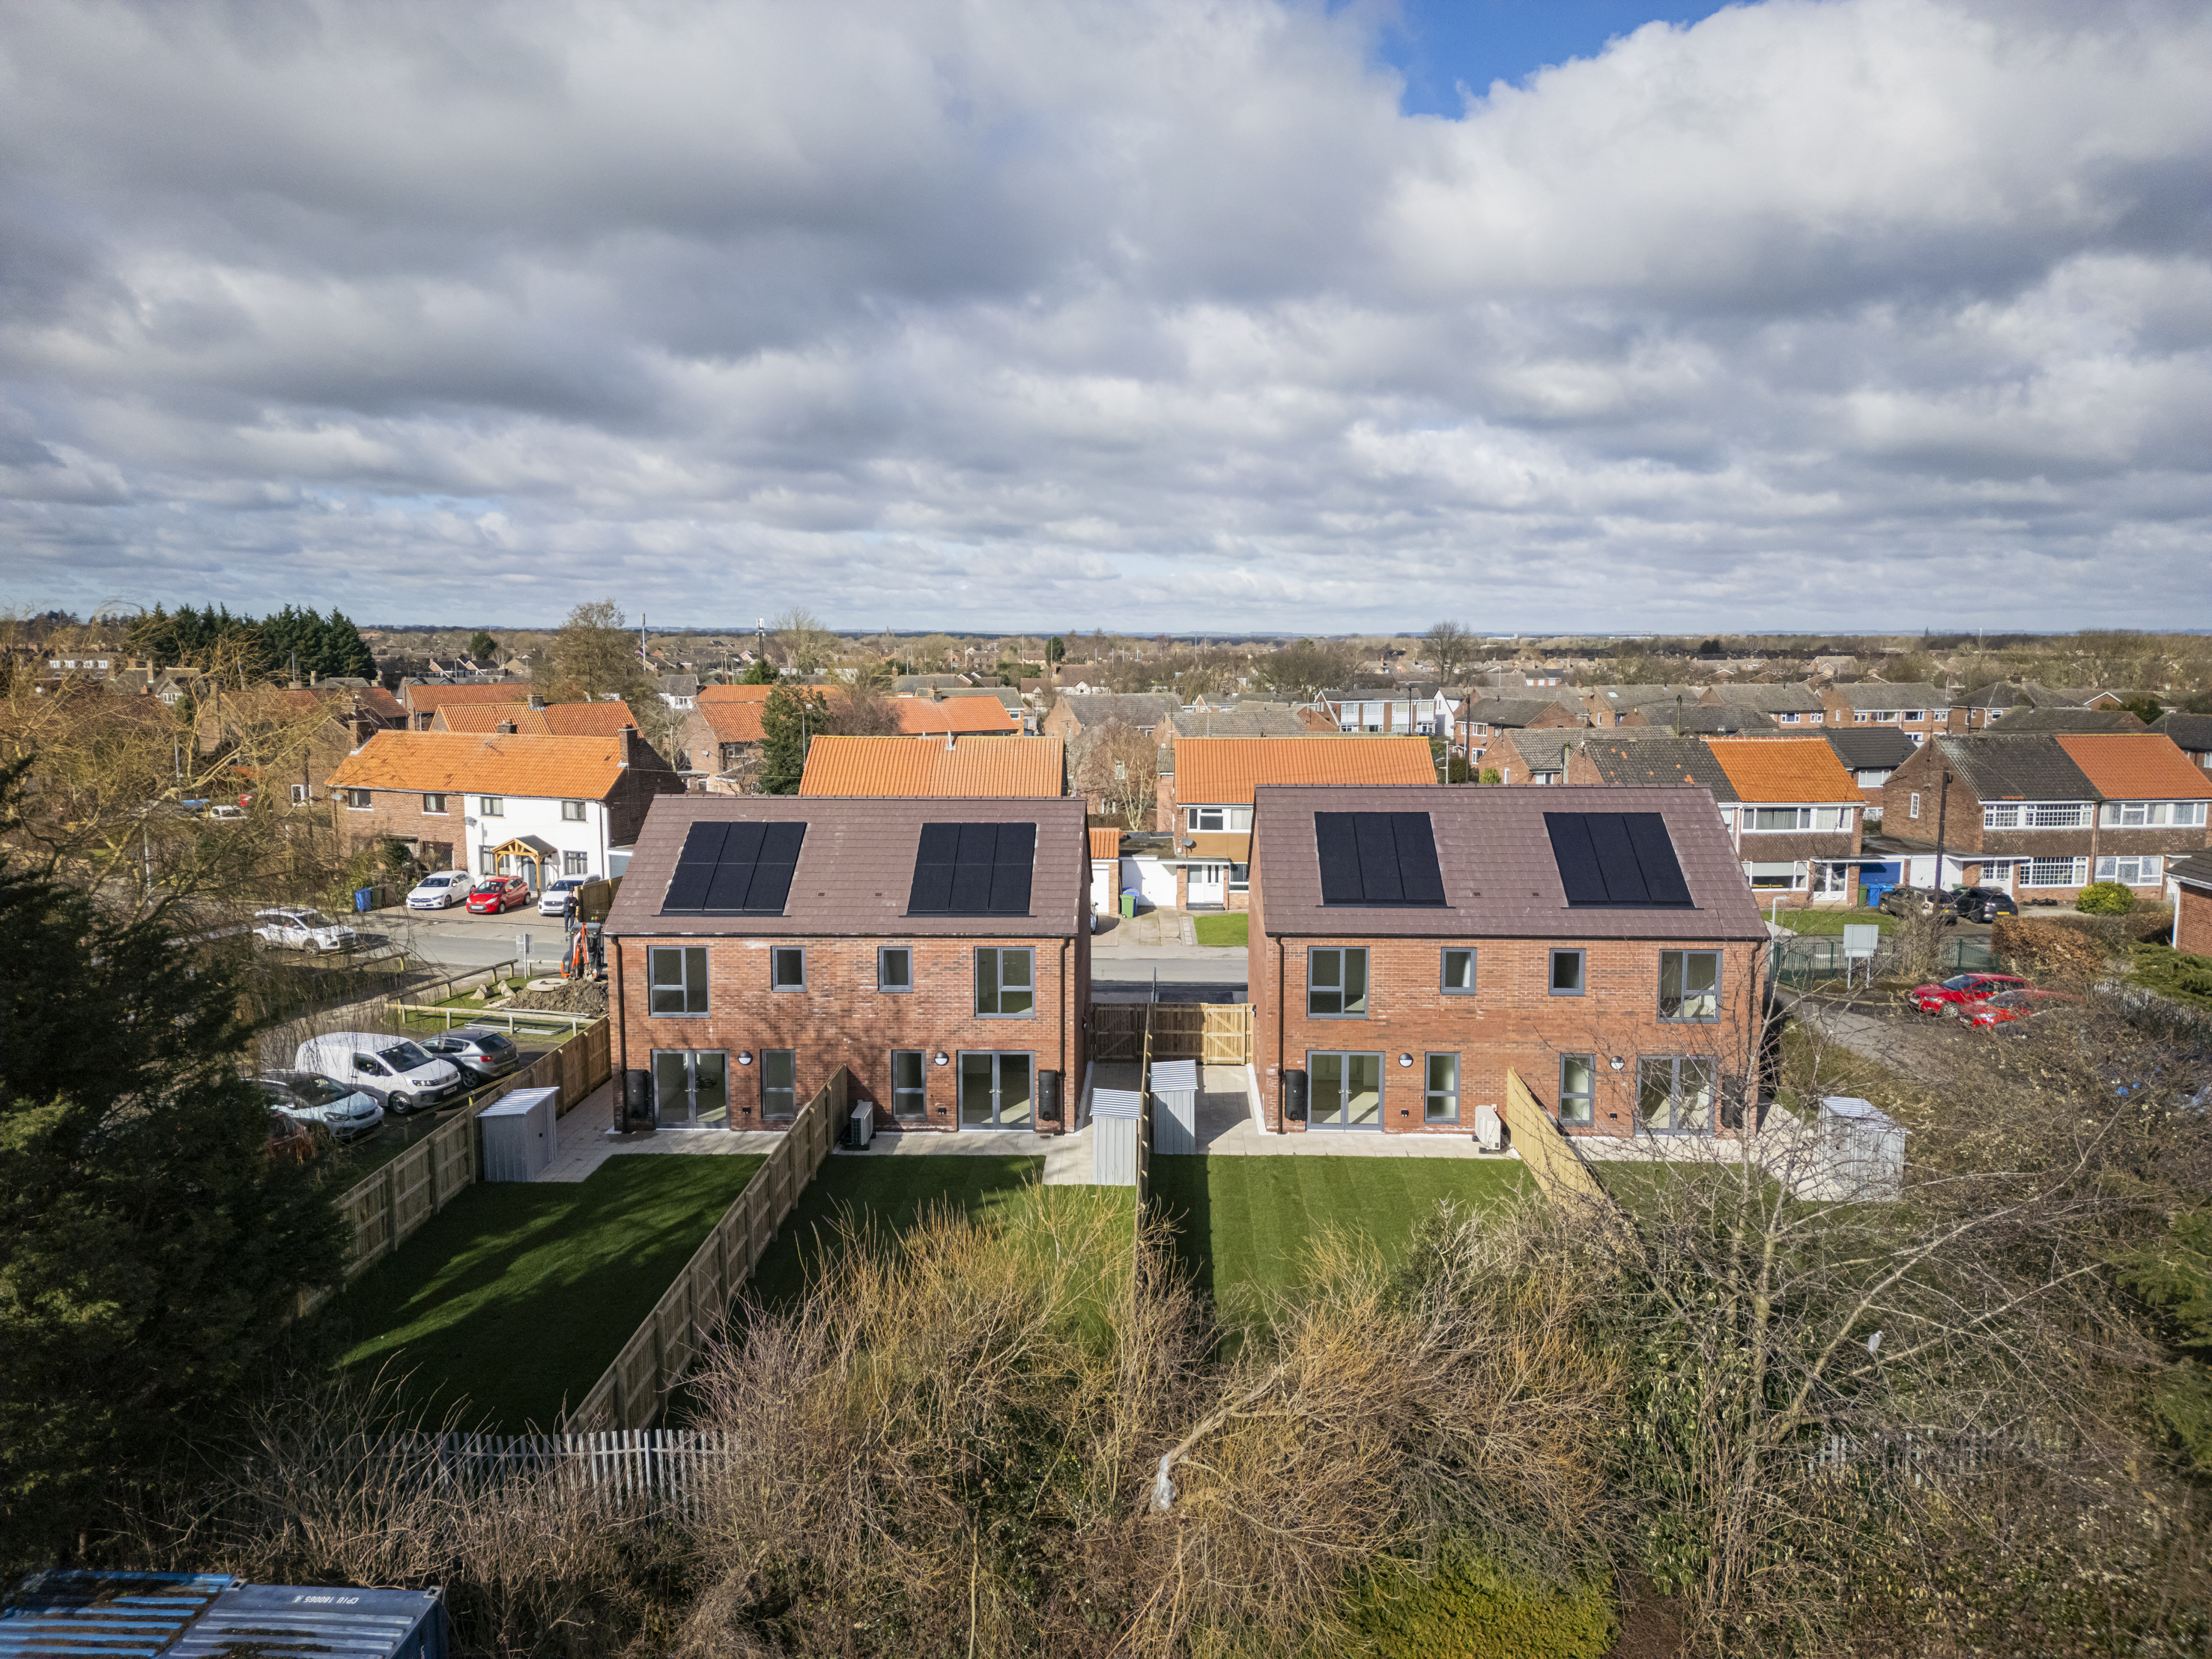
(1775, 877)
(1862, 718)
(2144, 872)
(1240, 878)
(2189, 814)
(301, 794)
(1918, 737)
(1915, 714)
(1913, 809)
(2036, 815)
(1788, 817)
(1787, 719)
(484, 860)
(2054, 872)
(575, 864)
(492, 806)
(572, 811)
(1886, 716)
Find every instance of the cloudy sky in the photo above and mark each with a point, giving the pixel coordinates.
(1148, 314)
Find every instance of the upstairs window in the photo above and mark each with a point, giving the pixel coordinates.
(788, 968)
(357, 799)
(435, 804)
(1567, 973)
(1336, 983)
(1689, 985)
(494, 806)
(895, 967)
(1457, 971)
(677, 976)
(1005, 983)
(1207, 819)
(572, 811)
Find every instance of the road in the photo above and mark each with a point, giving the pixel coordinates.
(455, 938)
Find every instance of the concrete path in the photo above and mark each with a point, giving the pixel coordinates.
(1228, 1126)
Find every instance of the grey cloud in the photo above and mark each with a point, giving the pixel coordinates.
(1152, 315)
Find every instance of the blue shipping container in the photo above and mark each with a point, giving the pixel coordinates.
(84, 1615)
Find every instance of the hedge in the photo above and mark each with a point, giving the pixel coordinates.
(1468, 1607)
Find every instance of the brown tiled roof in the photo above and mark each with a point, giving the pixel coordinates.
(1215, 771)
(856, 867)
(732, 721)
(442, 762)
(381, 703)
(1500, 878)
(1105, 843)
(2136, 766)
(919, 717)
(1658, 762)
(977, 767)
(1802, 770)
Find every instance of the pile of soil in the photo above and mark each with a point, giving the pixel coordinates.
(581, 996)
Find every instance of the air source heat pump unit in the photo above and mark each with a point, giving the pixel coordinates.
(862, 1128)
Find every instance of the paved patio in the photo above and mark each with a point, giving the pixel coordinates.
(1228, 1126)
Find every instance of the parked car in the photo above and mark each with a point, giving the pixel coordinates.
(394, 1072)
(1982, 903)
(302, 930)
(226, 814)
(289, 1139)
(1962, 988)
(496, 894)
(1913, 901)
(483, 1053)
(310, 1097)
(554, 900)
(2010, 1005)
(441, 890)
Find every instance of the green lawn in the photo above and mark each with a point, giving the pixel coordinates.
(1830, 924)
(893, 1191)
(516, 1296)
(1221, 930)
(1244, 1223)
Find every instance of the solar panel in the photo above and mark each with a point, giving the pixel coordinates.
(1387, 860)
(1617, 860)
(973, 870)
(742, 869)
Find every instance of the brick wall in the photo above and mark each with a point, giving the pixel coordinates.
(399, 813)
(2192, 922)
(840, 1018)
(1511, 1021)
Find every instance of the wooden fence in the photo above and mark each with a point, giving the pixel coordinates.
(631, 1392)
(395, 1201)
(1561, 1175)
(1212, 1033)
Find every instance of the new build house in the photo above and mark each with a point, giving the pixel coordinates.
(1410, 948)
(2042, 815)
(501, 804)
(1206, 802)
(940, 949)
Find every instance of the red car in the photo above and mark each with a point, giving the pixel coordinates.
(1959, 989)
(2009, 1006)
(494, 893)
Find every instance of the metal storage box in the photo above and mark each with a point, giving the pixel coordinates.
(520, 1135)
(147, 1615)
(1859, 1153)
(1175, 1098)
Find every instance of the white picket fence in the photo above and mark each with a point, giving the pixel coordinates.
(662, 1472)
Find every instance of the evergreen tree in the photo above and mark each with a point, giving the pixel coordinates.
(483, 647)
(763, 672)
(344, 653)
(792, 716)
(150, 1251)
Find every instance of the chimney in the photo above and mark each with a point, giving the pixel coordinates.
(538, 700)
(358, 730)
(628, 736)
(507, 728)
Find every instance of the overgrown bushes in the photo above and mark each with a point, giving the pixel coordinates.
(1468, 1606)
(2104, 898)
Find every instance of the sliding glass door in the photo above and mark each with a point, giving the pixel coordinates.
(1345, 1091)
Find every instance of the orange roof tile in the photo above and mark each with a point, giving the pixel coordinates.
(480, 717)
(1215, 771)
(589, 719)
(2136, 765)
(921, 718)
(900, 765)
(448, 761)
(1105, 843)
(1796, 769)
(733, 722)
(734, 693)
(423, 699)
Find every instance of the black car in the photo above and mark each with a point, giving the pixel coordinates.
(483, 1054)
(1982, 903)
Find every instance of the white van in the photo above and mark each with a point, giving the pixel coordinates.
(395, 1072)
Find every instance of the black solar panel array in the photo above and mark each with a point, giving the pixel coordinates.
(734, 869)
(973, 870)
(1617, 860)
(1387, 860)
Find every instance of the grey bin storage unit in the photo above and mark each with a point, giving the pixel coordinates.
(1175, 1102)
(153, 1615)
(1859, 1153)
(520, 1136)
(1114, 1115)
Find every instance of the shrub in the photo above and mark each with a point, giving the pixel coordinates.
(2104, 898)
(1468, 1606)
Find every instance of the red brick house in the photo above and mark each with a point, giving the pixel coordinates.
(2191, 879)
(940, 949)
(1409, 948)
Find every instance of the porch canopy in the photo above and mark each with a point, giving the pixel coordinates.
(530, 849)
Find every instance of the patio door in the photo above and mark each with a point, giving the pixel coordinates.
(995, 1091)
(690, 1089)
(1209, 883)
(1345, 1091)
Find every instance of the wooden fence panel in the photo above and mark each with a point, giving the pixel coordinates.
(414, 1191)
(1560, 1173)
(1217, 1033)
(1117, 1030)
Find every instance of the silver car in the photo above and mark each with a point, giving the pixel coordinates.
(483, 1054)
(312, 1098)
(302, 928)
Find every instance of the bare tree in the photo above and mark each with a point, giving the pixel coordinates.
(1449, 647)
(592, 656)
(805, 642)
(1120, 765)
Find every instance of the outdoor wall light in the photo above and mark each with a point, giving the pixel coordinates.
(940, 1057)
(744, 1056)
(1618, 1062)
(1405, 1059)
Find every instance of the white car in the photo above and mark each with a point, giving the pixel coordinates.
(554, 900)
(302, 929)
(395, 1072)
(441, 890)
(226, 814)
